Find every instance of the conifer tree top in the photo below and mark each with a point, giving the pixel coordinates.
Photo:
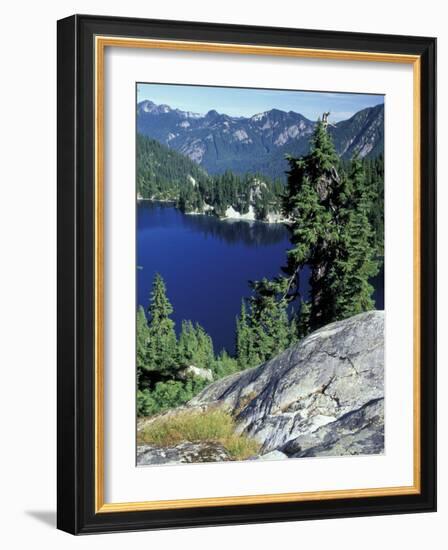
(159, 307)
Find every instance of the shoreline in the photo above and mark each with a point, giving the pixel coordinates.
(233, 217)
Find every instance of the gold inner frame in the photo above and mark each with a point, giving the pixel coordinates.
(101, 42)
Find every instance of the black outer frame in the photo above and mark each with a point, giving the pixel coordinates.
(75, 403)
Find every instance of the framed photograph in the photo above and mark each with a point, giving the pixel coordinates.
(246, 274)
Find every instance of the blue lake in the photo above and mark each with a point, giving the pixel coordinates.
(206, 264)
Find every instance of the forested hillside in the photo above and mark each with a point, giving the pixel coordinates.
(164, 174)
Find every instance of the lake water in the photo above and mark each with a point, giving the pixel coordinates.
(206, 264)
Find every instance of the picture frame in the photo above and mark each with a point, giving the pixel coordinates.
(82, 41)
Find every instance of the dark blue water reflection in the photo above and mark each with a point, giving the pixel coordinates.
(207, 263)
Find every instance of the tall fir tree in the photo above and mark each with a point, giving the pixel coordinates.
(162, 344)
(269, 321)
(331, 233)
(310, 203)
(245, 349)
(187, 344)
(204, 354)
(195, 346)
(355, 260)
(264, 330)
(321, 170)
(142, 339)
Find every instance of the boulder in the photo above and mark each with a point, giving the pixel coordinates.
(324, 396)
(195, 372)
(359, 432)
(335, 371)
(185, 452)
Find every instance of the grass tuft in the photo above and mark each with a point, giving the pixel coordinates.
(214, 426)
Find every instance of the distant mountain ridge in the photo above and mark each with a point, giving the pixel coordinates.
(219, 142)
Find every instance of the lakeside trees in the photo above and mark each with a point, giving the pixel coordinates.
(335, 215)
(163, 359)
(166, 175)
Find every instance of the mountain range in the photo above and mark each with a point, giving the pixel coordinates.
(219, 142)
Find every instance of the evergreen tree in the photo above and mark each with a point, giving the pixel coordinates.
(271, 332)
(245, 352)
(142, 339)
(188, 344)
(190, 199)
(264, 330)
(162, 172)
(309, 204)
(225, 365)
(336, 227)
(375, 183)
(331, 232)
(302, 321)
(321, 170)
(165, 174)
(161, 356)
(204, 356)
(355, 261)
(195, 346)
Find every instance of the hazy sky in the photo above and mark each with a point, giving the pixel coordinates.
(248, 102)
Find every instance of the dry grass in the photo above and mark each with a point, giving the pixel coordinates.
(215, 426)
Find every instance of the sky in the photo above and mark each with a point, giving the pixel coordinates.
(248, 102)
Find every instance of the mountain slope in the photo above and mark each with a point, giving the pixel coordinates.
(363, 133)
(167, 175)
(219, 142)
(162, 172)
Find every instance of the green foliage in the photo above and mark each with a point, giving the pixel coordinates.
(195, 346)
(354, 263)
(264, 329)
(167, 395)
(245, 350)
(164, 174)
(160, 356)
(332, 212)
(190, 198)
(308, 204)
(336, 227)
(214, 426)
(322, 159)
(372, 185)
(269, 319)
(142, 340)
(303, 319)
(162, 345)
(240, 192)
(374, 179)
(225, 365)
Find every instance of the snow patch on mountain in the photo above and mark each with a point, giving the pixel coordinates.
(258, 117)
